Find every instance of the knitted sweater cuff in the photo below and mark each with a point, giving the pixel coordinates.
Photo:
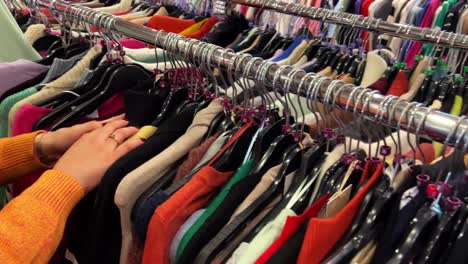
(59, 190)
(17, 157)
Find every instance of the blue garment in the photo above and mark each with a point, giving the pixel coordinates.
(291, 48)
(146, 211)
(421, 13)
(406, 46)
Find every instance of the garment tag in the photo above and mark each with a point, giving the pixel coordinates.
(336, 203)
(348, 174)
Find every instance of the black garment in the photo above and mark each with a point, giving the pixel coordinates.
(105, 231)
(220, 217)
(146, 211)
(289, 251)
(451, 20)
(247, 43)
(458, 252)
(141, 108)
(226, 32)
(264, 39)
(393, 233)
(22, 86)
(143, 209)
(449, 100)
(160, 184)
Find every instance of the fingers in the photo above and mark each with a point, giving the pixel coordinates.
(123, 133)
(119, 117)
(128, 146)
(111, 127)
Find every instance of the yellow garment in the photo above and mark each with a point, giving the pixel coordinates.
(457, 105)
(193, 28)
(456, 110)
(144, 133)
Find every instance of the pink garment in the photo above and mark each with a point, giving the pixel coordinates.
(132, 44)
(29, 114)
(425, 23)
(243, 9)
(314, 25)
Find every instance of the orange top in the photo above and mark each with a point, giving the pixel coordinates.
(32, 224)
(323, 233)
(170, 24)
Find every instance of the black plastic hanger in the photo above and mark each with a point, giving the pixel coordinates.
(421, 228)
(421, 94)
(171, 103)
(431, 93)
(266, 138)
(359, 74)
(123, 78)
(56, 53)
(76, 49)
(65, 102)
(45, 42)
(438, 241)
(234, 156)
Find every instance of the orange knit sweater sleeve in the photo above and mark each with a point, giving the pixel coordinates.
(32, 224)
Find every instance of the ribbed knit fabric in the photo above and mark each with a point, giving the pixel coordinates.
(34, 221)
(171, 215)
(17, 157)
(66, 82)
(34, 32)
(37, 218)
(322, 234)
(187, 254)
(7, 104)
(194, 156)
(137, 181)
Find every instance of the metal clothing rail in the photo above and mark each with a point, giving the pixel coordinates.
(432, 124)
(428, 35)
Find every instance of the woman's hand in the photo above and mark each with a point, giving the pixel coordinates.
(52, 145)
(88, 159)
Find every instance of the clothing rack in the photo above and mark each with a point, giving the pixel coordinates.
(428, 35)
(432, 124)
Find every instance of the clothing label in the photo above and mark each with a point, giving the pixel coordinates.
(348, 174)
(336, 203)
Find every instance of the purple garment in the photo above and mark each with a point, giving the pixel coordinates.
(357, 7)
(17, 72)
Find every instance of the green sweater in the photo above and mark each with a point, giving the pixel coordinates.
(241, 173)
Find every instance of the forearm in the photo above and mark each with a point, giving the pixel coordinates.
(32, 224)
(18, 157)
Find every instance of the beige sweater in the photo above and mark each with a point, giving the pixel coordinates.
(64, 83)
(137, 181)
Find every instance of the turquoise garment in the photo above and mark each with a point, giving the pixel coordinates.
(13, 45)
(7, 104)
